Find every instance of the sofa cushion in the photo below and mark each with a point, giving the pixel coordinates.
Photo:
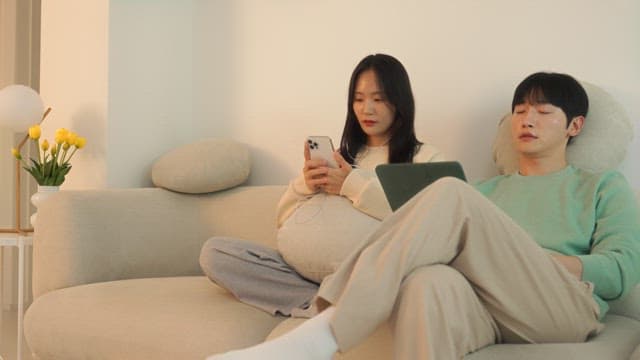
(636, 354)
(157, 318)
(601, 145)
(617, 341)
(378, 346)
(205, 166)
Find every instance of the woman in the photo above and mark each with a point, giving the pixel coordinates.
(379, 129)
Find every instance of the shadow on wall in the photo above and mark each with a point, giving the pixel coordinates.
(267, 165)
(213, 58)
(89, 122)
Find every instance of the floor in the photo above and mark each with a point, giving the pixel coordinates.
(8, 341)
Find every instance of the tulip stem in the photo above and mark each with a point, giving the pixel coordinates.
(45, 114)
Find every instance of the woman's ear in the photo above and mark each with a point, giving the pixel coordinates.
(575, 126)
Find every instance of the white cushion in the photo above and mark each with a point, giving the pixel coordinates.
(205, 166)
(321, 233)
(601, 145)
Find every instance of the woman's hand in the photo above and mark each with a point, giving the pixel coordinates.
(335, 177)
(314, 171)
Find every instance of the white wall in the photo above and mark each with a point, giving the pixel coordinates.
(74, 82)
(150, 93)
(268, 73)
(288, 64)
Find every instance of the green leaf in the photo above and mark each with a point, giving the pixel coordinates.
(49, 172)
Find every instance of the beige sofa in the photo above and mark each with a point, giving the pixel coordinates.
(116, 276)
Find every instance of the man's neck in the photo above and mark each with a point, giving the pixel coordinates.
(539, 166)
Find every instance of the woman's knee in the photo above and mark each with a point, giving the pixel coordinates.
(215, 257)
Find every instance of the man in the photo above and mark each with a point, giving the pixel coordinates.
(530, 257)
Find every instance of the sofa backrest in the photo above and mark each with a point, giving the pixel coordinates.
(93, 236)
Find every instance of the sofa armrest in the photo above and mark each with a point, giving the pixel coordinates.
(92, 236)
(628, 306)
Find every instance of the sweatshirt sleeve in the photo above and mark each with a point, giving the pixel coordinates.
(364, 190)
(613, 264)
(296, 191)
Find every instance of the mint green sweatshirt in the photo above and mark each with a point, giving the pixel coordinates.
(593, 216)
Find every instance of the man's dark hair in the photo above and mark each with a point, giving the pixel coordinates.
(557, 89)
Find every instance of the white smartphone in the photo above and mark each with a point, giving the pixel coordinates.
(321, 147)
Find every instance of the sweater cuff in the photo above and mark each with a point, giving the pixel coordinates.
(300, 186)
(353, 184)
(592, 266)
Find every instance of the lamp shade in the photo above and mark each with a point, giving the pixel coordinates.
(20, 107)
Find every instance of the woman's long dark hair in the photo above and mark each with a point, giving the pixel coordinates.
(394, 81)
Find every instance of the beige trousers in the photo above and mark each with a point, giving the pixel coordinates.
(453, 273)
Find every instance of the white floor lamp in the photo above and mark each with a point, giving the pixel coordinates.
(20, 107)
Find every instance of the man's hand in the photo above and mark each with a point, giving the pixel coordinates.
(335, 177)
(572, 263)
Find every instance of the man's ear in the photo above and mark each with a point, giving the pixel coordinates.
(575, 126)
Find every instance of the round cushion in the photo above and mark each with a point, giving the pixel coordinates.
(205, 166)
(601, 145)
(321, 233)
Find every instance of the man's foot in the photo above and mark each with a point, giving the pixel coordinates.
(313, 340)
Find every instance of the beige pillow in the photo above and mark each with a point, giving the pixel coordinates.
(601, 145)
(205, 166)
(321, 232)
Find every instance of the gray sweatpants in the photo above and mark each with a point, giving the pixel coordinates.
(256, 275)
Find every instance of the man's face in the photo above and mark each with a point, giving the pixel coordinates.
(540, 130)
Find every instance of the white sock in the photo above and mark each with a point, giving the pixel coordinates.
(313, 340)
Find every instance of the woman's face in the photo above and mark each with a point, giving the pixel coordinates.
(374, 113)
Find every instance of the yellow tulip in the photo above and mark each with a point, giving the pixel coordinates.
(71, 138)
(61, 135)
(66, 146)
(44, 145)
(16, 153)
(34, 132)
(54, 150)
(80, 142)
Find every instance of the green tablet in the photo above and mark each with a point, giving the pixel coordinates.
(401, 182)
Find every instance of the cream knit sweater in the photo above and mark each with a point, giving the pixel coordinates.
(361, 185)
